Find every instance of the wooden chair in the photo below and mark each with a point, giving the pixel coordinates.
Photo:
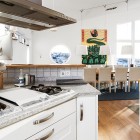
(134, 75)
(90, 75)
(105, 76)
(120, 76)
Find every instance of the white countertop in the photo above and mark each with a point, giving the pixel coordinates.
(80, 90)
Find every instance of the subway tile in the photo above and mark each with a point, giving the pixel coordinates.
(39, 69)
(47, 69)
(11, 75)
(67, 69)
(53, 69)
(32, 70)
(80, 73)
(40, 74)
(17, 70)
(54, 73)
(73, 73)
(80, 69)
(53, 78)
(40, 80)
(73, 69)
(26, 71)
(47, 73)
(47, 79)
(60, 69)
(10, 70)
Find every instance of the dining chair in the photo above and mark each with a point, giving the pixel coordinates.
(90, 75)
(105, 76)
(120, 76)
(134, 76)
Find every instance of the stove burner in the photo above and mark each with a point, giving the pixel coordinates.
(50, 90)
(2, 106)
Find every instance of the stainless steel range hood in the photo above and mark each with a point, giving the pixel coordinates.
(26, 14)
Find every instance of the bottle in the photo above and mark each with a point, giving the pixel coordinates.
(27, 79)
(21, 78)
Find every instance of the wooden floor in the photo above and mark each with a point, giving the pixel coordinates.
(117, 121)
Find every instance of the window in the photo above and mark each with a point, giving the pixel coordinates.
(129, 34)
(124, 36)
(60, 54)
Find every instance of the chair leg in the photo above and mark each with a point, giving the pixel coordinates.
(125, 84)
(115, 87)
(135, 85)
(98, 85)
(128, 86)
(95, 84)
(109, 87)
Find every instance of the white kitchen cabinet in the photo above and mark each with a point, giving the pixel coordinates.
(87, 118)
(62, 130)
(27, 127)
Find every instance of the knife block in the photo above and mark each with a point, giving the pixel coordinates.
(1, 80)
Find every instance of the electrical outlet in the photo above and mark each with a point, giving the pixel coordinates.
(67, 73)
(62, 73)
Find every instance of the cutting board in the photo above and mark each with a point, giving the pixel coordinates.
(1, 80)
(20, 96)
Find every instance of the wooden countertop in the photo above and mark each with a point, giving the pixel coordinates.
(44, 66)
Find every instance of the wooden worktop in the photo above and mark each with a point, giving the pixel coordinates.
(44, 66)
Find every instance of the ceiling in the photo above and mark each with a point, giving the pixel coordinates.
(73, 7)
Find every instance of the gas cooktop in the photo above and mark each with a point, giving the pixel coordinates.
(20, 99)
(50, 90)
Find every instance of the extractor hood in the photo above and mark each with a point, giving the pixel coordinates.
(26, 14)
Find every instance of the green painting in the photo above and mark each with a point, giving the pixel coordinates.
(93, 56)
(94, 39)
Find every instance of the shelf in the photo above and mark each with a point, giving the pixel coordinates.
(44, 66)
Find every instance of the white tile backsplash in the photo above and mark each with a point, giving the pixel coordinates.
(47, 69)
(11, 75)
(53, 73)
(41, 74)
(32, 70)
(47, 73)
(74, 73)
(26, 71)
(53, 69)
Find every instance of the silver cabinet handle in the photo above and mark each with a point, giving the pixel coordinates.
(43, 120)
(47, 136)
(81, 112)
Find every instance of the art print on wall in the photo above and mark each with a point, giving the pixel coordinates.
(94, 39)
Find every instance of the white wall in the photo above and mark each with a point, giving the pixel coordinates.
(70, 35)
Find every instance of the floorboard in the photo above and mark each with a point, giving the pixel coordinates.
(117, 121)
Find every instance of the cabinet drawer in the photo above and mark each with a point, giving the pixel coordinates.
(36, 123)
(62, 130)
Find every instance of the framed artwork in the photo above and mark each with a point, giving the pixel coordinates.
(94, 39)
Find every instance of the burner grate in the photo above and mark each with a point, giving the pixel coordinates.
(50, 90)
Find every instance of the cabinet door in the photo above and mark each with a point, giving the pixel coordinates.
(62, 130)
(87, 118)
(46, 119)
